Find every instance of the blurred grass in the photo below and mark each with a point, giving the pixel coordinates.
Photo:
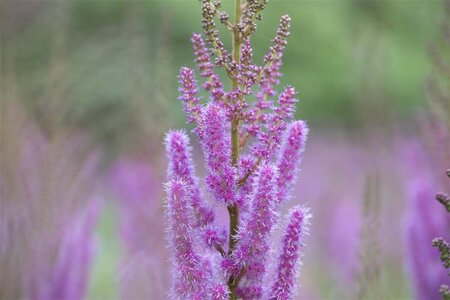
(104, 281)
(319, 61)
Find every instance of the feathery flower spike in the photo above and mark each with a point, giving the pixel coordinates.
(289, 259)
(221, 175)
(290, 154)
(190, 279)
(253, 238)
(181, 166)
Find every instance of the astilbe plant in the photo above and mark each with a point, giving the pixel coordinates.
(252, 148)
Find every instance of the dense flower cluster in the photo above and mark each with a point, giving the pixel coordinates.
(252, 149)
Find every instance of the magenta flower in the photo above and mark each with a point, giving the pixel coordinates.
(289, 256)
(188, 94)
(253, 242)
(221, 175)
(181, 166)
(289, 157)
(191, 279)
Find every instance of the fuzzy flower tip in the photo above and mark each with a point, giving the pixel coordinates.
(289, 258)
(188, 94)
(292, 146)
(181, 166)
(188, 275)
(273, 60)
(221, 176)
(201, 55)
(286, 103)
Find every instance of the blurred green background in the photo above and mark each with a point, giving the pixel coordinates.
(115, 62)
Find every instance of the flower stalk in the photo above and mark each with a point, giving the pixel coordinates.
(233, 210)
(246, 145)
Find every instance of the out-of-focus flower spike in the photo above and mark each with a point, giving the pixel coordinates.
(425, 219)
(289, 259)
(216, 144)
(179, 154)
(190, 279)
(253, 238)
(71, 273)
(188, 94)
(290, 155)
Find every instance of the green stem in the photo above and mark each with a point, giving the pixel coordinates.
(233, 210)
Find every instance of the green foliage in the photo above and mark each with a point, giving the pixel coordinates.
(321, 59)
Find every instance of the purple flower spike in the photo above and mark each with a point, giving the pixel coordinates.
(188, 94)
(286, 102)
(201, 55)
(290, 254)
(190, 279)
(181, 166)
(293, 144)
(253, 245)
(205, 66)
(273, 60)
(71, 274)
(221, 176)
(268, 142)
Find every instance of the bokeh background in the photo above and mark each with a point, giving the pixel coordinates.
(105, 71)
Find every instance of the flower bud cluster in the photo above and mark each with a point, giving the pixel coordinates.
(209, 10)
